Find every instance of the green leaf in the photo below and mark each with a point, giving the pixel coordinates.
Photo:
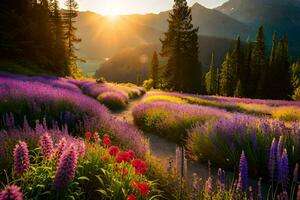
(84, 178)
(102, 192)
(100, 179)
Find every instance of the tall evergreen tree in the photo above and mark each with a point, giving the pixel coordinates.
(258, 65)
(246, 77)
(155, 70)
(210, 78)
(180, 46)
(70, 36)
(295, 68)
(227, 85)
(218, 75)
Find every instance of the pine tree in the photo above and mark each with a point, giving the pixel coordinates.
(70, 36)
(258, 65)
(239, 90)
(155, 70)
(246, 82)
(59, 45)
(218, 75)
(237, 60)
(210, 78)
(227, 85)
(295, 68)
(180, 46)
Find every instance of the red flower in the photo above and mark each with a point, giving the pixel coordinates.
(124, 172)
(134, 184)
(123, 156)
(131, 153)
(140, 166)
(116, 169)
(88, 135)
(90, 145)
(105, 158)
(113, 150)
(106, 141)
(131, 197)
(144, 188)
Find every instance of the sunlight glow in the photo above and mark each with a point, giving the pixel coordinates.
(112, 9)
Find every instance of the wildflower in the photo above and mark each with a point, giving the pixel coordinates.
(106, 141)
(88, 135)
(279, 153)
(131, 197)
(123, 156)
(144, 188)
(273, 160)
(284, 169)
(81, 149)
(60, 147)
(124, 172)
(46, 145)
(113, 150)
(134, 184)
(259, 190)
(208, 186)
(251, 196)
(140, 166)
(105, 158)
(243, 175)
(21, 158)
(131, 153)
(296, 173)
(96, 137)
(90, 145)
(221, 180)
(11, 192)
(66, 168)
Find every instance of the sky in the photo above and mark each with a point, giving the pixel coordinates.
(119, 7)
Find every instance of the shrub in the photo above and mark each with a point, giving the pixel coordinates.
(113, 100)
(296, 95)
(148, 84)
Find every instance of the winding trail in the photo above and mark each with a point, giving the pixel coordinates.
(163, 149)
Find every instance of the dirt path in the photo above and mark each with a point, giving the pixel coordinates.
(162, 148)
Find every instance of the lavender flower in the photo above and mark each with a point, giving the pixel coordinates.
(208, 186)
(66, 168)
(46, 145)
(296, 173)
(21, 158)
(284, 169)
(12, 192)
(251, 196)
(273, 160)
(243, 174)
(279, 154)
(221, 180)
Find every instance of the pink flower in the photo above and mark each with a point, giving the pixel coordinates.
(21, 158)
(66, 168)
(12, 192)
(46, 145)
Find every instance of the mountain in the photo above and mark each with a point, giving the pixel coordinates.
(275, 15)
(103, 37)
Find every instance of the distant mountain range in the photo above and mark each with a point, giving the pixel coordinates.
(103, 37)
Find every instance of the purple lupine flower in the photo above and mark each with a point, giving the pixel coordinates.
(66, 168)
(11, 192)
(243, 173)
(296, 173)
(279, 154)
(259, 190)
(284, 169)
(273, 160)
(60, 147)
(21, 158)
(251, 196)
(46, 145)
(283, 196)
(208, 186)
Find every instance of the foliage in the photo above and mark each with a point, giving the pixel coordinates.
(296, 95)
(180, 46)
(155, 70)
(113, 100)
(148, 84)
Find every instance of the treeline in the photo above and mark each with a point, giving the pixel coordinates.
(38, 32)
(249, 72)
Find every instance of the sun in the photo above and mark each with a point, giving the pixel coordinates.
(112, 9)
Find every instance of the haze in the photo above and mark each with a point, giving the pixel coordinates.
(123, 7)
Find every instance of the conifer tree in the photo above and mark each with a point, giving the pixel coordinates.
(237, 61)
(180, 46)
(218, 75)
(247, 71)
(210, 78)
(295, 68)
(70, 36)
(227, 85)
(258, 65)
(155, 70)
(239, 90)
